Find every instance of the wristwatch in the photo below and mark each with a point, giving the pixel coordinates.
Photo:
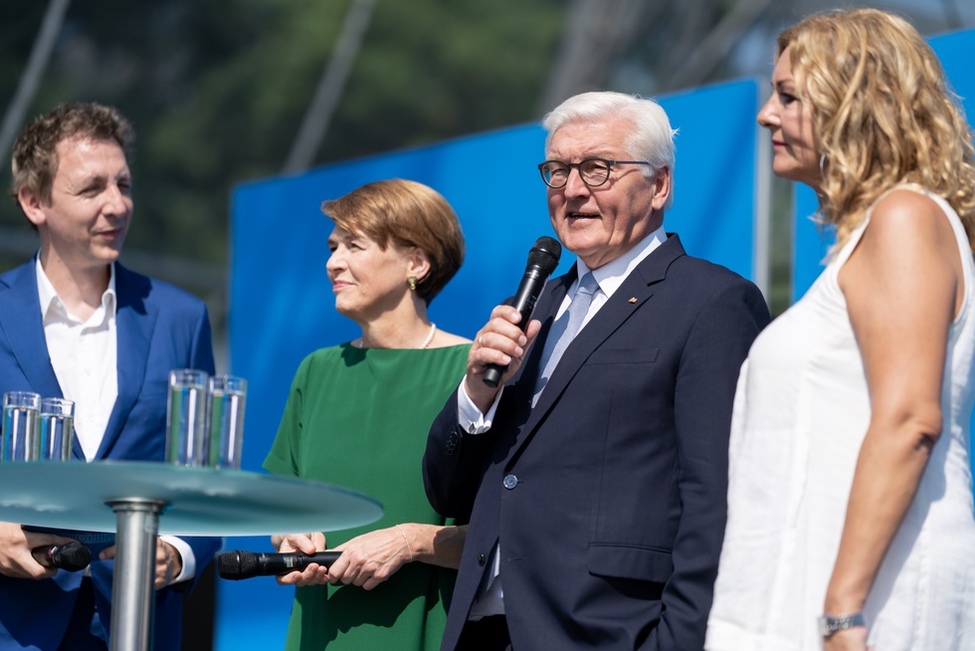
(829, 624)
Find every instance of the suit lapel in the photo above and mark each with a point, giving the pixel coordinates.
(636, 290)
(135, 320)
(545, 311)
(21, 323)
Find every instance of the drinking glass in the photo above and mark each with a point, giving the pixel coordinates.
(57, 429)
(21, 434)
(186, 417)
(226, 395)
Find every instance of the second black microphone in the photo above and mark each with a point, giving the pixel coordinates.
(236, 565)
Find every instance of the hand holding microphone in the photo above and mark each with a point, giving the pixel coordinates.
(543, 258)
(236, 565)
(71, 557)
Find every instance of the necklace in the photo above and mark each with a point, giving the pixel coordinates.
(426, 342)
(433, 331)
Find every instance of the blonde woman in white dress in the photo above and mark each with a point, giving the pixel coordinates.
(850, 521)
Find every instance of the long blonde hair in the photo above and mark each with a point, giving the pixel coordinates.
(882, 114)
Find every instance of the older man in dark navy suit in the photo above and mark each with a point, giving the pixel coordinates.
(594, 480)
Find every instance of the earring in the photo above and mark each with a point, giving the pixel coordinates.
(411, 281)
(822, 165)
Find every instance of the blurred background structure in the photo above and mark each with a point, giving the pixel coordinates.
(227, 91)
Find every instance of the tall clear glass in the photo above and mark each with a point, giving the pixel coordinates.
(186, 417)
(226, 397)
(21, 430)
(57, 429)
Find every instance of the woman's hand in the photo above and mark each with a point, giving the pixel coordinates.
(305, 543)
(850, 639)
(373, 557)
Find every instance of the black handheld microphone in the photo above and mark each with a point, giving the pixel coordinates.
(236, 565)
(543, 258)
(72, 556)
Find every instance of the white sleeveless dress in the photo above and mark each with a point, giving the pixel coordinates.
(800, 415)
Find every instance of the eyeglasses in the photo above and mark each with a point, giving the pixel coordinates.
(593, 171)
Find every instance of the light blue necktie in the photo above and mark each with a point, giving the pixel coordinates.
(564, 330)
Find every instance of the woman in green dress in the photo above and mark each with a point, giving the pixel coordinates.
(358, 416)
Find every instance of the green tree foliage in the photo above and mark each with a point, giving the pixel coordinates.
(217, 89)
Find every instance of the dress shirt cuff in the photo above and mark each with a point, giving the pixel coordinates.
(186, 554)
(470, 417)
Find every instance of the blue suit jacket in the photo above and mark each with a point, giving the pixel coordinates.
(609, 496)
(159, 328)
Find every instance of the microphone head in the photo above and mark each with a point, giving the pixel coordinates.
(72, 556)
(545, 254)
(236, 565)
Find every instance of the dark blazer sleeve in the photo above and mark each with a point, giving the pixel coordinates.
(453, 463)
(704, 394)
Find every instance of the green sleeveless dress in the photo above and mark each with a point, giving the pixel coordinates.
(359, 418)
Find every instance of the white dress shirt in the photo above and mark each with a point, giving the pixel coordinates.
(490, 598)
(84, 355)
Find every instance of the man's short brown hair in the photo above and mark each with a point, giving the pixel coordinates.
(35, 154)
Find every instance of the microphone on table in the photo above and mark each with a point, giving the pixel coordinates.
(543, 258)
(72, 556)
(236, 565)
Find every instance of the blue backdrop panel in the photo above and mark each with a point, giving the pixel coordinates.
(281, 300)
(714, 182)
(955, 51)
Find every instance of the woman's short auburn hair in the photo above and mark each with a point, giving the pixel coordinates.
(408, 214)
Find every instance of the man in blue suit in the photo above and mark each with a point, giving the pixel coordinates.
(74, 323)
(594, 482)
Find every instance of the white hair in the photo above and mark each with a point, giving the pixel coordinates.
(651, 138)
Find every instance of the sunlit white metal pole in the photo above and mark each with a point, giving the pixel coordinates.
(40, 53)
(330, 87)
(133, 606)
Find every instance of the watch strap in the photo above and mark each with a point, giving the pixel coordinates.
(829, 624)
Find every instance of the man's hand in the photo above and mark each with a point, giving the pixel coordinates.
(499, 342)
(15, 547)
(169, 562)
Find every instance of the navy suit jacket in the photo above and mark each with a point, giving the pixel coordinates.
(609, 497)
(159, 328)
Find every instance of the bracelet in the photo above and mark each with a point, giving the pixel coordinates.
(403, 533)
(829, 624)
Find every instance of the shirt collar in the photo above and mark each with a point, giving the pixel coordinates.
(50, 300)
(612, 274)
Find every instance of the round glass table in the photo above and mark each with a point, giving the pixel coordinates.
(138, 500)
